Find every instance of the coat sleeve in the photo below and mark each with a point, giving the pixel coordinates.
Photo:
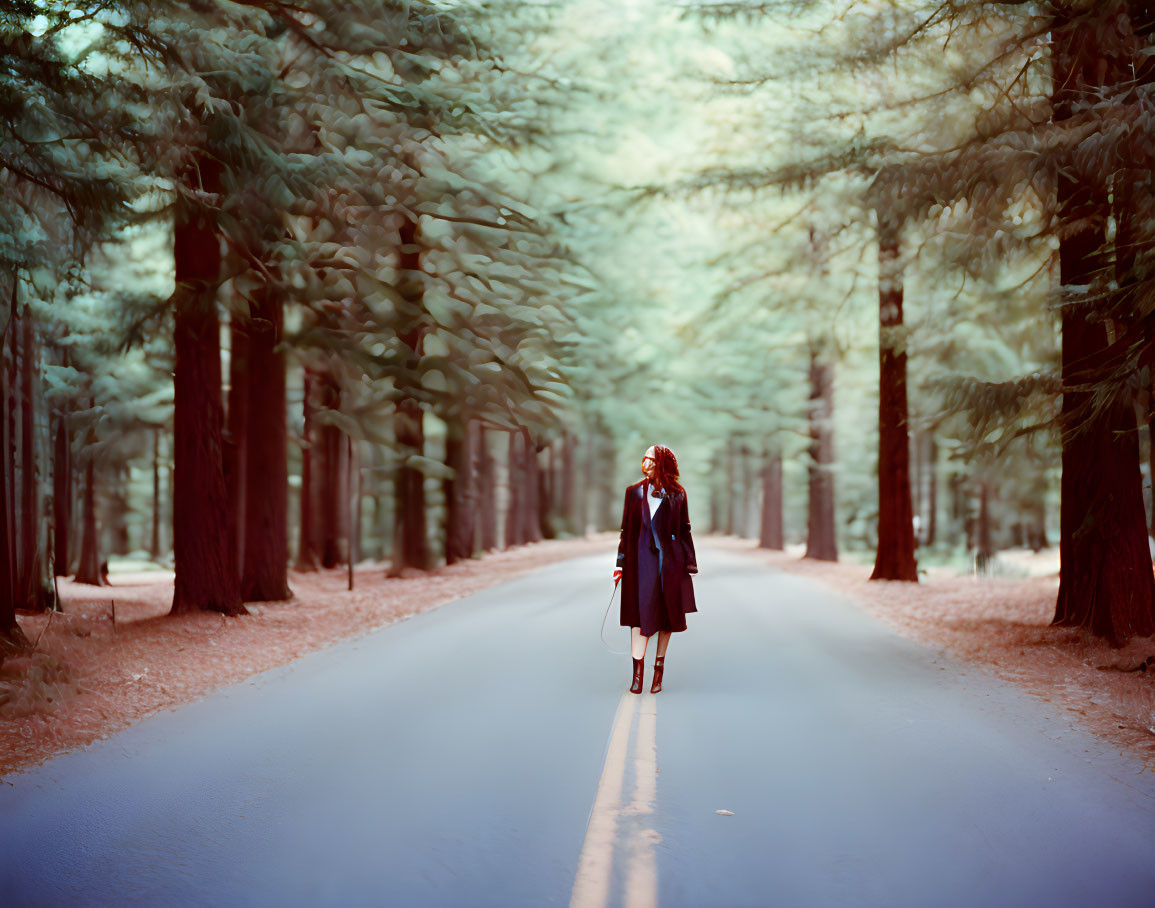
(622, 538)
(687, 539)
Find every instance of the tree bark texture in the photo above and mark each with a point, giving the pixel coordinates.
(206, 572)
(236, 432)
(487, 483)
(1151, 454)
(265, 577)
(116, 513)
(894, 559)
(932, 489)
(534, 489)
(308, 550)
(410, 524)
(89, 568)
(381, 525)
(515, 533)
(771, 535)
(544, 494)
(984, 547)
(821, 535)
(355, 505)
(32, 583)
(157, 504)
(716, 507)
(411, 531)
(12, 641)
(333, 474)
(586, 500)
(1105, 580)
(460, 490)
(567, 497)
(61, 495)
(11, 462)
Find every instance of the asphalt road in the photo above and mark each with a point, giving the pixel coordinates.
(486, 754)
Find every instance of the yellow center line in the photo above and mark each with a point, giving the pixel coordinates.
(642, 872)
(591, 887)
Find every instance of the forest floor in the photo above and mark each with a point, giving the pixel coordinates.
(1004, 624)
(89, 676)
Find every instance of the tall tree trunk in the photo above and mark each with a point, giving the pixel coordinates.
(30, 563)
(610, 494)
(1151, 452)
(958, 514)
(62, 495)
(12, 640)
(567, 502)
(154, 541)
(895, 558)
(356, 493)
(547, 492)
(487, 482)
(265, 577)
(1135, 239)
(771, 535)
(411, 530)
(587, 499)
(543, 523)
(932, 489)
(821, 535)
(731, 479)
(532, 498)
(917, 502)
(1105, 581)
(206, 570)
(308, 549)
(12, 474)
(379, 524)
(515, 472)
(460, 489)
(716, 495)
(333, 495)
(89, 569)
(410, 517)
(746, 497)
(116, 510)
(984, 548)
(241, 373)
(557, 517)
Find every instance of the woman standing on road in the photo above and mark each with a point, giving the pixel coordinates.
(655, 560)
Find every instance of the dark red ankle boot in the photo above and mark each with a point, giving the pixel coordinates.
(659, 667)
(639, 667)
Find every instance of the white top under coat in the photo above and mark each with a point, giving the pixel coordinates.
(655, 503)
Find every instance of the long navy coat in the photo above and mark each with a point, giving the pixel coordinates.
(657, 558)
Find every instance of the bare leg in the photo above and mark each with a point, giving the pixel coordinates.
(638, 643)
(663, 642)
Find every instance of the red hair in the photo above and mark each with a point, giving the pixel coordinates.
(665, 470)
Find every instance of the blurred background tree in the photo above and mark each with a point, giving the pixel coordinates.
(319, 283)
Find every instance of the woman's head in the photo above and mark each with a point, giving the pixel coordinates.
(660, 467)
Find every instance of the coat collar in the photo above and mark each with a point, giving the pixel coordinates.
(640, 490)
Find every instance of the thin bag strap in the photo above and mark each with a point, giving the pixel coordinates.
(607, 615)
